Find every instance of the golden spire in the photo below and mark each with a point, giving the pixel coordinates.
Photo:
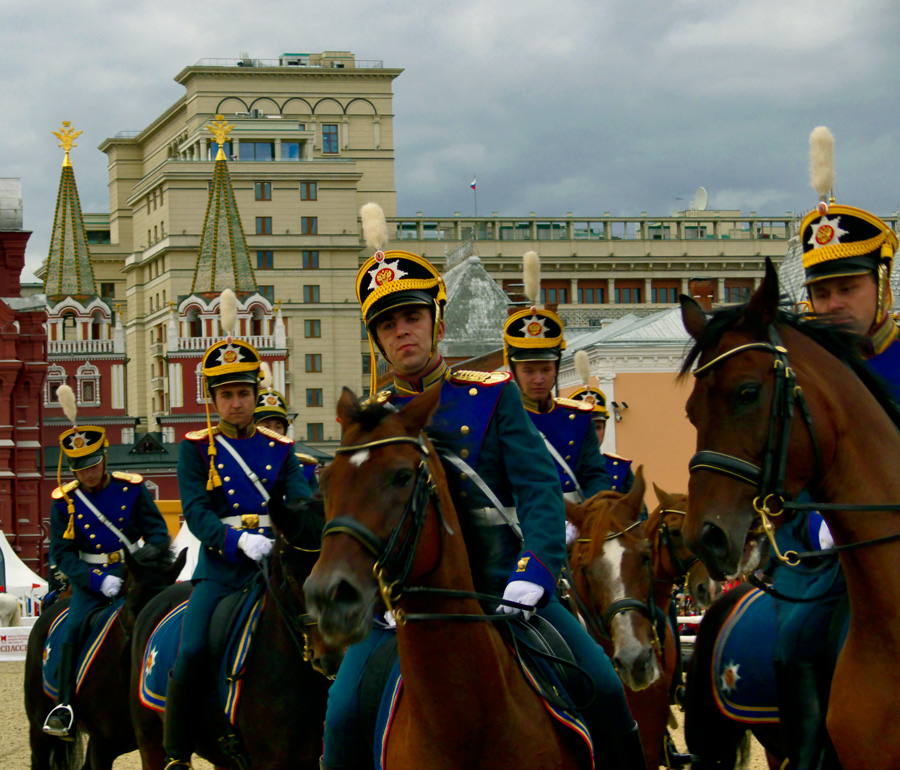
(220, 129)
(67, 137)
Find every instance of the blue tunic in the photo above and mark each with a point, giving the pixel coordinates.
(620, 473)
(569, 427)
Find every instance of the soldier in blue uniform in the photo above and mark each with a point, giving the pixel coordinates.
(847, 258)
(533, 343)
(230, 476)
(619, 468)
(272, 412)
(503, 482)
(93, 520)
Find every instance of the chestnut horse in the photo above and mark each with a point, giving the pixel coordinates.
(611, 565)
(817, 420)
(282, 699)
(392, 534)
(101, 705)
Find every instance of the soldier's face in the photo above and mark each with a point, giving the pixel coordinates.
(851, 300)
(536, 379)
(600, 429)
(404, 334)
(274, 424)
(92, 477)
(235, 403)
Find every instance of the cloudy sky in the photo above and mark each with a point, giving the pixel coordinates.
(565, 105)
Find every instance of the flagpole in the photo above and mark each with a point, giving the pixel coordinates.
(474, 187)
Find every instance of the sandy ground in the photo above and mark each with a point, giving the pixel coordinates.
(15, 753)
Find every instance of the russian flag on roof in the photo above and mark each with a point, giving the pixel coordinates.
(473, 184)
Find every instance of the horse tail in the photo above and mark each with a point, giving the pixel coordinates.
(69, 755)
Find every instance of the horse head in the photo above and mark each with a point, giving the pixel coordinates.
(611, 569)
(149, 570)
(377, 491)
(673, 560)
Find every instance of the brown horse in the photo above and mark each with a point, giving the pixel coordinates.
(282, 699)
(465, 702)
(101, 705)
(764, 433)
(611, 567)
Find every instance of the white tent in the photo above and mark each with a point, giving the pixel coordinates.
(20, 579)
(184, 539)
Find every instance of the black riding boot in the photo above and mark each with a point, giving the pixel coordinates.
(627, 753)
(61, 720)
(802, 707)
(178, 725)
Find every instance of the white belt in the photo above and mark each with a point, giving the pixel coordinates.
(491, 517)
(102, 558)
(248, 521)
(574, 497)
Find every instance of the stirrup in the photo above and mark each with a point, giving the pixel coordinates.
(176, 763)
(60, 721)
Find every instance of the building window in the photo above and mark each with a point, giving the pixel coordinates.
(738, 290)
(308, 191)
(559, 296)
(314, 362)
(290, 150)
(214, 150)
(263, 191)
(98, 236)
(312, 328)
(264, 260)
(664, 294)
(56, 376)
(366, 363)
(264, 225)
(310, 260)
(256, 150)
(267, 291)
(591, 295)
(314, 396)
(363, 331)
(201, 390)
(309, 225)
(329, 138)
(310, 293)
(88, 388)
(315, 431)
(107, 290)
(627, 295)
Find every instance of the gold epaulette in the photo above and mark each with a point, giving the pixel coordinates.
(272, 434)
(57, 494)
(200, 435)
(480, 378)
(572, 403)
(306, 459)
(131, 478)
(612, 456)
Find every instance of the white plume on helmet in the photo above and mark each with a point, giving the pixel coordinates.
(821, 161)
(66, 397)
(374, 226)
(228, 312)
(583, 367)
(531, 268)
(266, 382)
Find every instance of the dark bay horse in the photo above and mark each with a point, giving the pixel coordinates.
(612, 574)
(281, 712)
(101, 705)
(465, 702)
(783, 404)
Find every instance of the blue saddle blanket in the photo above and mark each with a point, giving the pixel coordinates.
(165, 641)
(101, 624)
(744, 661)
(393, 691)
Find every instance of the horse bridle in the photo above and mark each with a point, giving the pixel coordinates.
(772, 499)
(603, 625)
(394, 557)
(682, 566)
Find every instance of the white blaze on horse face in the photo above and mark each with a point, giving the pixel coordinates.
(358, 458)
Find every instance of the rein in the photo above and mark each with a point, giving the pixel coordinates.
(394, 558)
(772, 499)
(682, 567)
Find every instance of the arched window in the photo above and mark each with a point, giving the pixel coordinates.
(201, 391)
(195, 325)
(88, 377)
(257, 319)
(97, 322)
(56, 376)
(152, 488)
(69, 326)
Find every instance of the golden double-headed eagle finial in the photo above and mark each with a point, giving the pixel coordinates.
(220, 128)
(67, 136)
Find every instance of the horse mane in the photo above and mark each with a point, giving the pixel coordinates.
(835, 338)
(600, 521)
(368, 414)
(155, 557)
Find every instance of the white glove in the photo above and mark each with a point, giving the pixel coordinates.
(523, 592)
(111, 585)
(255, 546)
(571, 533)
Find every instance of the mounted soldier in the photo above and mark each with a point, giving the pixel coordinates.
(847, 258)
(229, 475)
(94, 519)
(503, 482)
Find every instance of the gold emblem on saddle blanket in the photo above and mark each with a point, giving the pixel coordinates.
(250, 520)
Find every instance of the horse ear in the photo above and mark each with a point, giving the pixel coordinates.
(763, 305)
(347, 407)
(692, 316)
(416, 414)
(661, 495)
(635, 496)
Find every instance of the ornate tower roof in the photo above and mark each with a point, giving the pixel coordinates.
(476, 310)
(223, 262)
(69, 270)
